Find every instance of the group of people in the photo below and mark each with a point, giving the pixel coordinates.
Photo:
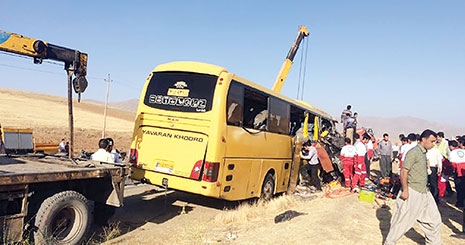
(106, 152)
(356, 160)
(63, 147)
(444, 161)
(349, 122)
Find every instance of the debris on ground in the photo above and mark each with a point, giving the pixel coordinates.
(288, 215)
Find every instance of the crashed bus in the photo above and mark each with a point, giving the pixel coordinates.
(203, 130)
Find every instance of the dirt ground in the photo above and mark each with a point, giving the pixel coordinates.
(149, 218)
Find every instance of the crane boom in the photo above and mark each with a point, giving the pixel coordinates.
(278, 84)
(75, 63)
(73, 60)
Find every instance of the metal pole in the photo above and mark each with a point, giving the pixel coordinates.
(70, 113)
(106, 106)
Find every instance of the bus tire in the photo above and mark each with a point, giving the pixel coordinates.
(268, 187)
(64, 218)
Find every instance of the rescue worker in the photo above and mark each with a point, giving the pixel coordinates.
(102, 155)
(443, 145)
(348, 153)
(360, 167)
(457, 159)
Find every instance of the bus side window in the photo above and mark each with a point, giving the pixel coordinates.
(278, 116)
(255, 109)
(297, 119)
(235, 104)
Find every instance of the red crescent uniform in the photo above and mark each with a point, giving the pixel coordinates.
(360, 167)
(348, 153)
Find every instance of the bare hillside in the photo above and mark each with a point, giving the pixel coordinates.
(48, 116)
(128, 105)
(397, 125)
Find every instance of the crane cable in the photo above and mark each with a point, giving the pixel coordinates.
(300, 74)
(305, 68)
(302, 66)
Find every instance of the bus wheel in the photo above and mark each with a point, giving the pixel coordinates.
(63, 218)
(268, 187)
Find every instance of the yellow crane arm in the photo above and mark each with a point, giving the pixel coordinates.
(39, 50)
(278, 84)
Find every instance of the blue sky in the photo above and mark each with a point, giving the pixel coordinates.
(386, 58)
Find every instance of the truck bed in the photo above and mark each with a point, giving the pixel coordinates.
(35, 169)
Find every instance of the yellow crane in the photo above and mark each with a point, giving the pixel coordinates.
(75, 63)
(278, 84)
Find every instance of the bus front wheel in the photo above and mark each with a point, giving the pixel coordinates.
(268, 187)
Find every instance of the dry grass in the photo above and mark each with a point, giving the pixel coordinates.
(247, 212)
(111, 231)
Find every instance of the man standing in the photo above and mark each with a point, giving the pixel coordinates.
(443, 145)
(349, 127)
(385, 161)
(360, 167)
(62, 145)
(348, 154)
(434, 158)
(310, 155)
(415, 202)
(345, 112)
(457, 159)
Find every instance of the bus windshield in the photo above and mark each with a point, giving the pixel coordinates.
(181, 91)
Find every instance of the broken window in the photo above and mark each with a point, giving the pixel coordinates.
(279, 111)
(297, 119)
(255, 109)
(235, 104)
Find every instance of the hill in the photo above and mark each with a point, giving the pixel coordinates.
(128, 105)
(48, 116)
(405, 125)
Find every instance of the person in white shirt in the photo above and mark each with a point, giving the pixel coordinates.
(310, 157)
(412, 142)
(62, 146)
(434, 158)
(113, 151)
(348, 153)
(360, 167)
(102, 155)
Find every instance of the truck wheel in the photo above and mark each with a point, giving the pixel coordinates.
(268, 187)
(63, 218)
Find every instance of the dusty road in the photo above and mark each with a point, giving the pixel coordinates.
(181, 218)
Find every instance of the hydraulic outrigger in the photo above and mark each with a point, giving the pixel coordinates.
(75, 63)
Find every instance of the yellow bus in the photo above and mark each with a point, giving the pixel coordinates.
(203, 130)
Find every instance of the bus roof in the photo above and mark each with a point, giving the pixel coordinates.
(191, 66)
